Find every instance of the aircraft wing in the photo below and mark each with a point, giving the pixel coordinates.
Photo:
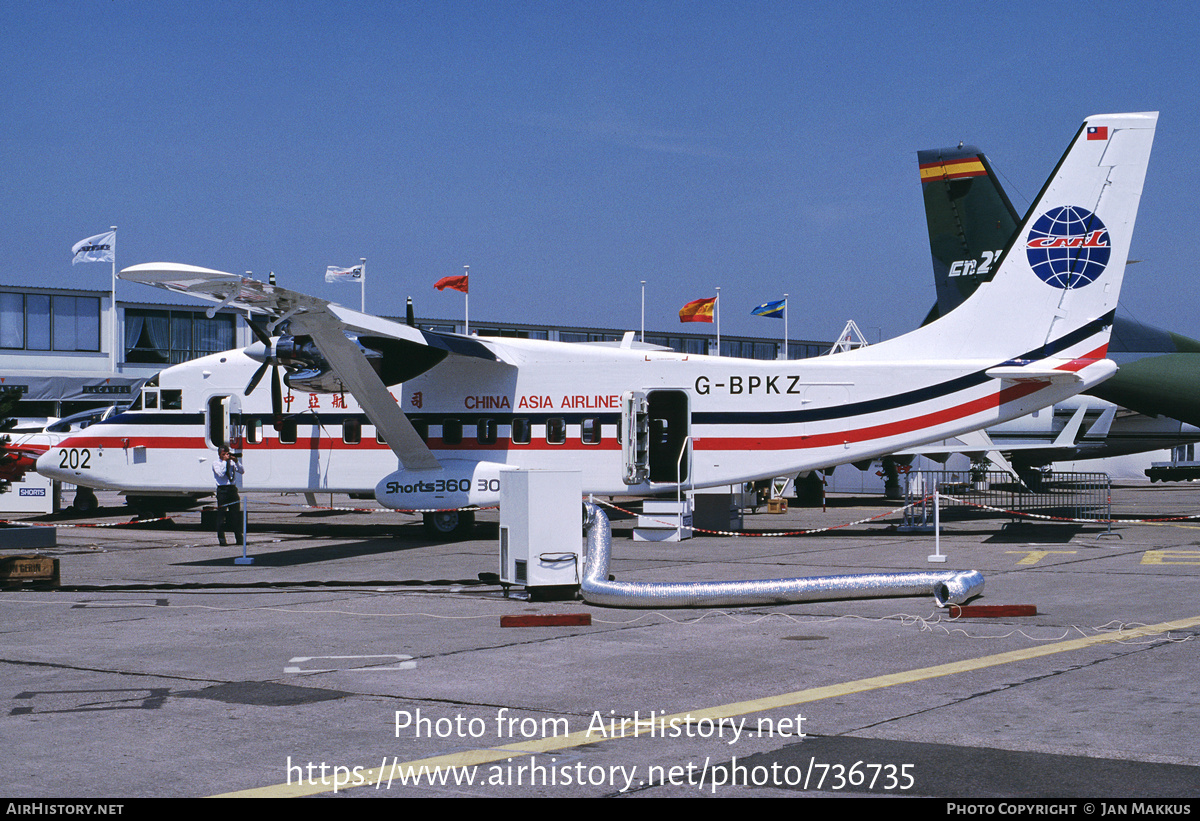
(283, 304)
(327, 323)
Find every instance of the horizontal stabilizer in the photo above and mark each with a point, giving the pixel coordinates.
(1028, 373)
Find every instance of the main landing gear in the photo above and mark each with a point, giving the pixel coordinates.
(449, 525)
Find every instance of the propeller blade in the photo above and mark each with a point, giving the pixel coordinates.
(258, 375)
(260, 333)
(277, 399)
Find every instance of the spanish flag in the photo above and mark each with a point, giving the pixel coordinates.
(458, 283)
(698, 310)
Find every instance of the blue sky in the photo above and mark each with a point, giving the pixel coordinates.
(568, 150)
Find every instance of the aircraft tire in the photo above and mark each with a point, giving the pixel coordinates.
(85, 500)
(449, 525)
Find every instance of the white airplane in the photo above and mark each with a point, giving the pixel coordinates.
(633, 420)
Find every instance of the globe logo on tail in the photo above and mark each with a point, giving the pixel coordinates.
(1068, 247)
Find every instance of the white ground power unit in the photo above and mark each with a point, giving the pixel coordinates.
(541, 528)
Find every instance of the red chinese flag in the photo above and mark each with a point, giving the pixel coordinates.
(458, 283)
(698, 310)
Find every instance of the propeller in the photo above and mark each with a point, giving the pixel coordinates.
(265, 351)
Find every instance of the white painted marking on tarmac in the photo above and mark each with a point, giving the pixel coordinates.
(400, 659)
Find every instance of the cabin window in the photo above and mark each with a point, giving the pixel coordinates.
(521, 431)
(452, 430)
(254, 431)
(422, 429)
(351, 431)
(150, 399)
(589, 431)
(172, 399)
(287, 432)
(379, 435)
(485, 431)
(556, 430)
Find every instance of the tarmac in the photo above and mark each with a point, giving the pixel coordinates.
(356, 658)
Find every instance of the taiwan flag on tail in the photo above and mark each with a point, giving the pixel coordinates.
(1097, 132)
(458, 283)
(772, 309)
(698, 310)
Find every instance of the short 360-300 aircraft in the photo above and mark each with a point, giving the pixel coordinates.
(429, 420)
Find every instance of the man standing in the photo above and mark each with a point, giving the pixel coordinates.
(226, 470)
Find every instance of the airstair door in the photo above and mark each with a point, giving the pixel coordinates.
(655, 436)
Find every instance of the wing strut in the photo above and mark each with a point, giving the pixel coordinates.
(356, 373)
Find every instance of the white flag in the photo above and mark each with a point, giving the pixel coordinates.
(100, 248)
(335, 274)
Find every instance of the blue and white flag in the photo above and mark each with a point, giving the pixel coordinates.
(335, 274)
(100, 248)
(772, 309)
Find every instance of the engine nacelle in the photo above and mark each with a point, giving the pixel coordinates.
(459, 483)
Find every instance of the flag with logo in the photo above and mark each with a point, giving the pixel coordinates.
(335, 274)
(458, 283)
(772, 309)
(100, 248)
(698, 310)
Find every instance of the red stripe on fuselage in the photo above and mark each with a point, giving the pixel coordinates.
(820, 440)
(817, 440)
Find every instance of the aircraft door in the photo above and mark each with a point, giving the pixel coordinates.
(670, 446)
(635, 437)
(223, 423)
(654, 436)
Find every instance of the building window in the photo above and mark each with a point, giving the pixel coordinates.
(171, 337)
(45, 322)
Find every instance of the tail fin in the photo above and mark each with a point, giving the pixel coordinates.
(1056, 286)
(970, 222)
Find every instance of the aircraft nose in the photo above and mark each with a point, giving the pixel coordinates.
(48, 467)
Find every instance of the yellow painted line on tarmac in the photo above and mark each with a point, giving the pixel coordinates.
(469, 758)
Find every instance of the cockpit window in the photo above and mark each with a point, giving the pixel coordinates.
(79, 421)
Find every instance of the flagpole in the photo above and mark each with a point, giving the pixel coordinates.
(362, 283)
(785, 333)
(467, 302)
(113, 308)
(717, 309)
(642, 338)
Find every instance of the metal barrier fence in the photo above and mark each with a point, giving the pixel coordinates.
(1057, 495)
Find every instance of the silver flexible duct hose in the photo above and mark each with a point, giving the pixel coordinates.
(947, 587)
